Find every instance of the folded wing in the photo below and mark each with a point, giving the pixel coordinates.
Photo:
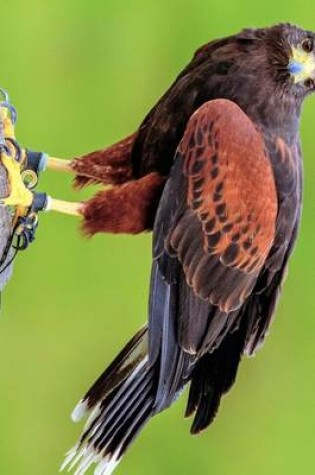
(216, 220)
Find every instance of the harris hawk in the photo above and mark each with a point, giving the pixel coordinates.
(215, 171)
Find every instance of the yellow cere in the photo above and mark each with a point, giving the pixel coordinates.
(305, 62)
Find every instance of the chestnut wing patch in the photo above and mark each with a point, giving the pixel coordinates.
(225, 228)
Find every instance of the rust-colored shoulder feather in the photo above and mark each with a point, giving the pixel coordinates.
(230, 202)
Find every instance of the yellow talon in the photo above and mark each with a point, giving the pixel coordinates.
(19, 194)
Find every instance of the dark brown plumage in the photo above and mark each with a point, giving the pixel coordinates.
(224, 141)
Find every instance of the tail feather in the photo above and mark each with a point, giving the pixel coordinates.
(129, 402)
(140, 383)
(136, 386)
(116, 373)
(119, 403)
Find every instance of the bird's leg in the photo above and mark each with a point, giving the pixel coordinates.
(129, 208)
(64, 207)
(59, 164)
(110, 166)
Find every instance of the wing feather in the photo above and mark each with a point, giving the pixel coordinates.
(216, 222)
(226, 227)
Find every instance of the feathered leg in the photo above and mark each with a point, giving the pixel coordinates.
(129, 208)
(109, 166)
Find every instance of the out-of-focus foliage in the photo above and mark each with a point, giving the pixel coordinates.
(83, 74)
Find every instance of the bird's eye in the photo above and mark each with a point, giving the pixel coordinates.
(307, 45)
(309, 83)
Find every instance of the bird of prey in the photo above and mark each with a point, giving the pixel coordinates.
(215, 171)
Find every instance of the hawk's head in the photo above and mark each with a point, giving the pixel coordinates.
(259, 63)
(266, 71)
(291, 57)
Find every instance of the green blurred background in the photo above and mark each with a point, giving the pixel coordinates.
(82, 75)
